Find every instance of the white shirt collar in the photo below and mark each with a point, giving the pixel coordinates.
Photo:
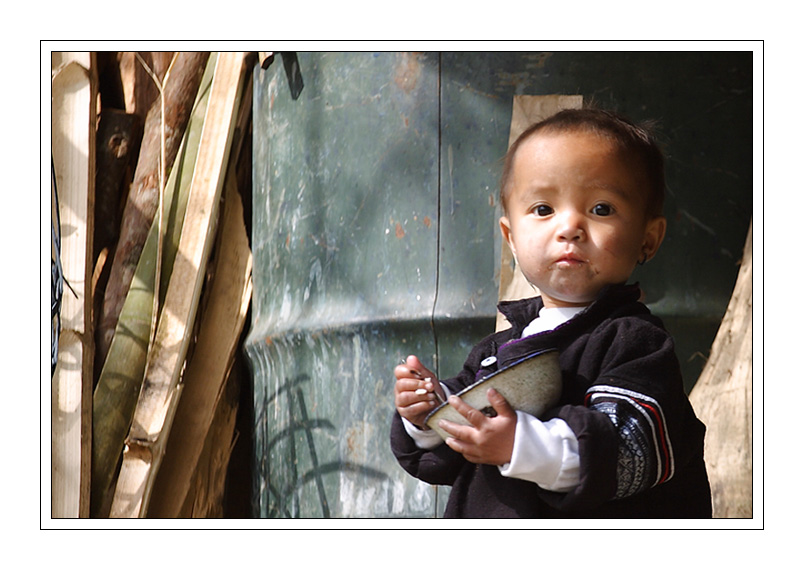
(548, 319)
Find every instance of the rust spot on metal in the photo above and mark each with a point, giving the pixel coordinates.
(400, 233)
(427, 221)
(407, 72)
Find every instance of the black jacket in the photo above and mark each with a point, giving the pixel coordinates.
(640, 444)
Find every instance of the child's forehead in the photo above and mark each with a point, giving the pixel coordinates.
(569, 136)
(589, 157)
(582, 150)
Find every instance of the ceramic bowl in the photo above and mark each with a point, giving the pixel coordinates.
(531, 385)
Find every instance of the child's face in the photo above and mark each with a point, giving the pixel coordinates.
(576, 218)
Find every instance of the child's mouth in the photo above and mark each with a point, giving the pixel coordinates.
(569, 261)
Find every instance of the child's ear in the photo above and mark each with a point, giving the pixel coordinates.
(654, 235)
(505, 227)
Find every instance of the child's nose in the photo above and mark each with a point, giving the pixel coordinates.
(571, 227)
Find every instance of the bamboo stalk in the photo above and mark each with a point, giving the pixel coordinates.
(161, 389)
(122, 374)
(74, 88)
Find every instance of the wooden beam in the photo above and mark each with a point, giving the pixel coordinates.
(205, 498)
(74, 93)
(161, 389)
(723, 400)
(526, 110)
(221, 326)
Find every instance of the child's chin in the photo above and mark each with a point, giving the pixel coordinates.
(565, 300)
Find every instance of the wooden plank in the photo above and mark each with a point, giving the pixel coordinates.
(74, 90)
(208, 483)
(527, 109)
(723, 400)
(221, 326)
(160, 390)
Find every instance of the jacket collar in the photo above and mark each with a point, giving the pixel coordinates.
(522, 311)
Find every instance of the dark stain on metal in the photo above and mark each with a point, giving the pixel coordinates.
(291, 63)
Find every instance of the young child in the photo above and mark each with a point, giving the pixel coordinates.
(582, 195)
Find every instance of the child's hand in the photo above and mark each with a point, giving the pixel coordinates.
(413, 391)
(487, 440)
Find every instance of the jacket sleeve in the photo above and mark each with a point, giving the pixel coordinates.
(440, 465)
(633, 426)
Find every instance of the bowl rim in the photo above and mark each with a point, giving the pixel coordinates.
(474, 385)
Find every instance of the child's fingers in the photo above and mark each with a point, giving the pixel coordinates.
(411, 397)
(487, 440)
(499, 403)
(403, 371)
(416, 367)
(475, 417)
(415, 407)
(416, 412)
(459, 433)
(407, 371)
(427, 384)
(414, 386)
(411, 391)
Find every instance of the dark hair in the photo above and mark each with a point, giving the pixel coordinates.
(637, 141)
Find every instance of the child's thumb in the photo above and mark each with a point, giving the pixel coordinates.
(413, 362)
(499, 403)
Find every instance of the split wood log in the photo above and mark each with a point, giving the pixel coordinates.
(145, 92)
(723, 400)
(74, 94)
(138, 89)
(526, 110)
(118, 137)
(161, 388)
(122, 373)
(179, 92)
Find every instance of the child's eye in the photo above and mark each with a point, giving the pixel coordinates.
(602, 210)
(543, 210)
